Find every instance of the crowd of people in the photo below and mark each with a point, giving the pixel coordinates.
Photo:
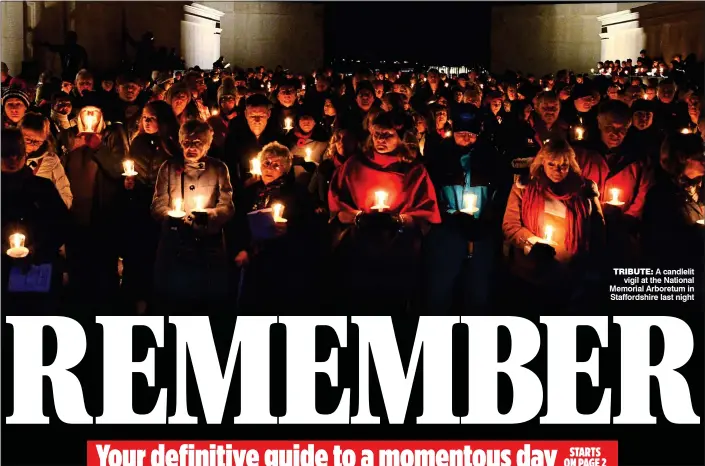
(251, 190)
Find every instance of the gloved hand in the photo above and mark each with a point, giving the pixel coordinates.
(378, 220)
(542, 253)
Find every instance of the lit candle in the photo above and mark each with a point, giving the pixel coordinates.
(446, 84)
(17, 249)
(256, 167)
(277, 210)
(499, 119)
(303, 87)
(288, 124)
(579, 131)
(129, 167)
(592, 70)
(200, 204)
(214, 112)
(308, 154)
(701, 221)
(178, 211)
(381, 198)
(615, 197)
(89, 122)
(448, 134)
(685, 131)
(470, 201)
(548, 236)
(546, 89)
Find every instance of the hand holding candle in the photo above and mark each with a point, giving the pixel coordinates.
(200, 215)
(548, 236)
(17, 249)
(615, 197)
(308, 154)
(129, 167)
(579, 133)
(288, 124)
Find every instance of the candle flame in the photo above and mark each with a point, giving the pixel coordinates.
(549, 234)
(308, 154)
(288, 123)
(17, 240)
(381, 200)
(89, 122)
(214, 112)
(615, 195)
(129, 167)
(178, 205)
(470, 201)
(448, 134)
(277, 210)
(579, 133)
(256, 166)
(685, 131)
(200, 202)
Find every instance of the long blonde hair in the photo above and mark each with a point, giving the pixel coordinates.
(554, 149)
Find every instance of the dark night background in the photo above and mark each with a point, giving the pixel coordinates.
(376, 31)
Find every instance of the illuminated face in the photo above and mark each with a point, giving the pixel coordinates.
(149, 121)
(227, 104)
(650, 93)
(257, 118)
(329, 108)
(613, 92)
(307, 123)
(666, 94)
(179, 102)
(441, 118)
(583, 104)
(464, 138)
(379, 90)
(15, 109)
(107, 85)
(643, 120)
(63, 106)
(321, 85)
(66, 87)
(511, 93)
(287, 96)
(613, 132)
(194, 148)
(385, 140)
(129, 92)
(273, 167)
(84, 85)
(549, 111)
(433, 78)
(556, 168)
(365, 99)
(496, 105)
(420, 125)
(694, 108)
(33, 140)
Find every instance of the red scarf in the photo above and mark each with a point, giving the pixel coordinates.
(303, 138)
(577, 211)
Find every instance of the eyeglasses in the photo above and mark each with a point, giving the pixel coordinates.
(33, 142)
(197, 144)
(272, 165)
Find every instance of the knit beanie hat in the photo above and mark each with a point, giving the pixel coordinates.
(227, 88)
(14, 93)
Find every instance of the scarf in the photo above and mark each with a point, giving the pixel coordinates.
(268, 193)
(62, 121)
(577, 210)
(302, 138)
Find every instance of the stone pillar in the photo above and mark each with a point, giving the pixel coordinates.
(200, 35)
(13, 41)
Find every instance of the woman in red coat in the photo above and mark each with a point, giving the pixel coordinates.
(382, 201)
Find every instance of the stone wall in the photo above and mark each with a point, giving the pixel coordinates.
(543, 38)
(253, 33)
(272, 33)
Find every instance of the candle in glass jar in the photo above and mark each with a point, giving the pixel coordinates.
(288, 124)
(470, 203)
(277, 210)
(17, 249)
(381, 198)
(129, 167)
(615, 197)
(178, 211)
